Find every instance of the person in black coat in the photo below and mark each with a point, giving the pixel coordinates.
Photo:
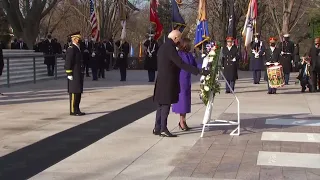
(230, 61)
(286, 56)
(1, 58)
(86, 53)
(14, 44)
(314, 53)
(271, 56)
(22, 45)
(74, 66)
(49, 49)
(167, 86)
(150, 63)
(122, 60)
(101, 60)
(110, 51)
(256, 60)
(305, 74)
(94, 59)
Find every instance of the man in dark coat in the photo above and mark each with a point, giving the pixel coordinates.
(14, 44)
(314, 53)
(94, 59)
(49, 49)
(167, 87)
(256, 60)
(74, 66)
(150, 63)
(86, 52)
(1, 58)
(101, 60)
(271, 56)
(286, 56)
(230, 61)
(122, 60)
(22, 45)
(110, 51)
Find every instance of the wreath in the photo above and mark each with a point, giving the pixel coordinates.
(210, 83)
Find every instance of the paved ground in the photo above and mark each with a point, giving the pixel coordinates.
(39, 141)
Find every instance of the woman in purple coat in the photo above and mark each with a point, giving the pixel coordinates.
(183, 106)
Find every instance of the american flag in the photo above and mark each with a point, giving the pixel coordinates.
(95, 31)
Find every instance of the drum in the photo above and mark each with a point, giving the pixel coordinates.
(275, 76)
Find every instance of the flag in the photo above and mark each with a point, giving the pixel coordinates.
(202, 31)
(231, 25)
(250, 22)
(177, 20)
(154, 18)
(95, 30)
(131, 51)
(123, 17)
(140, 50)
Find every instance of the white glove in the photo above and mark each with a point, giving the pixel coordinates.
(86, 51)
(282, 52)
(268, 63)
(234, 60)
(93, 54)
(276, 64)
(203, 55)
(70, 78)
(64, 50)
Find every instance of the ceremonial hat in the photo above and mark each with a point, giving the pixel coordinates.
(229, 38)
(286, 35)
(272, 39)
(75, 34)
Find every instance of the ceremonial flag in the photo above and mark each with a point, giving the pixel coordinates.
(140, 50)
(177, 20)
(231, 25)
(202, 32)
(131, 51)
(250, 22)
(123, 17)
(154, 18)
(95, 30)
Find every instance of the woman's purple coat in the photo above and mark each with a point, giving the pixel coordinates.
(184, 104)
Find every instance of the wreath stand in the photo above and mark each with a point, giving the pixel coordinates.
(207, 121)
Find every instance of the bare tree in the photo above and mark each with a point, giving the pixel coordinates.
(25, 15)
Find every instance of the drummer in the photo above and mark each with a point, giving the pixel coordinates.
(271, 56)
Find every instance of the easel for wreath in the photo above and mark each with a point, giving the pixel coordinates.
(208, 121)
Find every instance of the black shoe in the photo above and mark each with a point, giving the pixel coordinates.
(155, 132)
(167, 134)
(227, 92)
(269, 92)
(122, 80)
(78, 114)
(183, 129)
(88, 75)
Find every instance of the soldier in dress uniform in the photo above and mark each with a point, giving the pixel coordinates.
(122, 61)
(49, 49)
(230, 60)
(314, 53)
(286, 56)
(94, 59)
(256, 60)
(271, 56)
(75, 68)
(150, 64)
(85, 49)
(110, 51)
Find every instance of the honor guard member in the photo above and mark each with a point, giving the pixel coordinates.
(230, 60)
(124, 49)
(151, 46)
(286, 56)
(85, 49)
(74, 66)
(271, 56)
(256, 60)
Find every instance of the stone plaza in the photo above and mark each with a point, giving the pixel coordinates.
(280, 134)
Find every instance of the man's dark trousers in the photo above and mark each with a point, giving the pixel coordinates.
(314, 78)
(152, 75)
(162, 117)
(123, 73)
(256, 76)
(75, 99)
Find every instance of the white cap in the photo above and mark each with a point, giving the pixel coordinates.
(286, 35)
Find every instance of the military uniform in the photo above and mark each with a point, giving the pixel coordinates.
(230, 60)
(150, 62)
(49, 50)
(86, 52)
(122, 60)
(256, 60)
(286, 57)
(74, 66)
(271, 56)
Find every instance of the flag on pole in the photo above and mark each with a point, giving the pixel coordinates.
(140, 50)
(123, 17)
(95, 30)
(131, 51)
(154, 18)
(231, 24)
(177, 20)
(202, 31)
(250, 22)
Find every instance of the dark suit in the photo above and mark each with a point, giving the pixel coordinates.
(314, 53)
(150, 63)
(74, 67)
(285, 59)
(86, 52)
(122, 59)
(167, 86)
(101, 60)
(50, 49)
(94, 60)
(230, 61)
(22, 45)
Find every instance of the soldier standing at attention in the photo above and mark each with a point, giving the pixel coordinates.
(75, 71)
(256, 60)
(230, 59)
(286, 56)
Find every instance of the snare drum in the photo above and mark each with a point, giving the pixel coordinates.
(275, 76)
